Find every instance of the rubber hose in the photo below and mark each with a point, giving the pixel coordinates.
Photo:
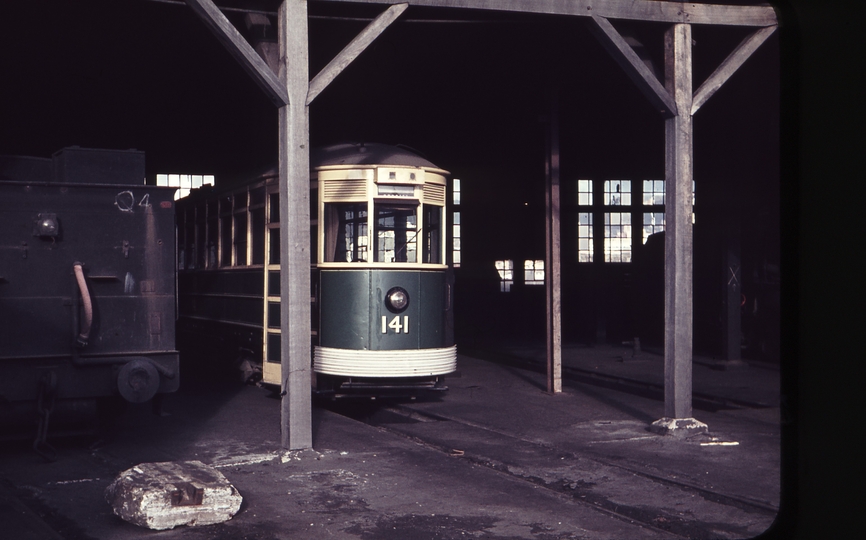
(84, 335)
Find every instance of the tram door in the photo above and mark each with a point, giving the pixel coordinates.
(272, 316)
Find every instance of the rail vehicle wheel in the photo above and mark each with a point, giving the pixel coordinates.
(138, 380)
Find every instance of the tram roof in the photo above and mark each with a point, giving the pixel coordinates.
(367, 154)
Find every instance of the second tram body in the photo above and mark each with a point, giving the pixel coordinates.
(381, 297)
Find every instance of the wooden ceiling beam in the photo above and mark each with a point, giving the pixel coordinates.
(353, 49)
(634, 67)
(242, 51)
(731, 64)
(641, 10)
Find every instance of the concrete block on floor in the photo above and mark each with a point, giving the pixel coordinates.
(165, 495)
(678, 427)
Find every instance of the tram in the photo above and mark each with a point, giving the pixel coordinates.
(380, 289)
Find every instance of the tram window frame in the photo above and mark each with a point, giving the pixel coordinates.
(257, 226)
(273, 225)
(455, 225)
(212, 233)
(337, 241)
(409, 245)
(432, 234)
(225, 224)
(200, 236)
(190, 238)
(181, 240)
(240, 238)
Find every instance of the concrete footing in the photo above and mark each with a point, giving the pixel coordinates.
(678, 427)
(162, 496)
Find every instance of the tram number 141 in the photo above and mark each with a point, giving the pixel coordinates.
(396, 324)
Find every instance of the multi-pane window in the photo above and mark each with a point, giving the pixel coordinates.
(585, 246)
(533, 272)
(455, 233)
(617, 192)
(506, 274)
(653, 192)
(653, 218)
(624, 205)
(653, 222)
(184, 182)
(617, 237)
(617, 225)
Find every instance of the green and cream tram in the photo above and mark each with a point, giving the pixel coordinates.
(380, 292)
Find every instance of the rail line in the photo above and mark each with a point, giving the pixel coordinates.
(383, 418)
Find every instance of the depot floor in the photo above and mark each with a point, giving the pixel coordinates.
(495, 457)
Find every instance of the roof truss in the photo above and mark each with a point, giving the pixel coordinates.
(640, 10)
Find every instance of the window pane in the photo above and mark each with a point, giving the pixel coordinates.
(432, 234)
(241, 239)
(506, 274)
(226, 241)
(584, 192)
(274, 206)
(258, 235)
(346, 237)
(274, 248)
(617, 192)
(617, 237)
(653, 192)
(533, 272)
(653, 222)
(396, 232)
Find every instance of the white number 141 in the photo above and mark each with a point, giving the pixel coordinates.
(396, 325)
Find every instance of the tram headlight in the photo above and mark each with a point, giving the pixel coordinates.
(397, 299)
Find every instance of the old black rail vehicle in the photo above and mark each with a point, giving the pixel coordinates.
(87, 284)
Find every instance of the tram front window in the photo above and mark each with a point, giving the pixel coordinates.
(396, 233)
(346, 232)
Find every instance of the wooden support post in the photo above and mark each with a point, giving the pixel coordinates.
(678, 238)
(551, 262)
(294, 171)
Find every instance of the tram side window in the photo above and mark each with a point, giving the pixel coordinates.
(190, 246)
(240, 239)
(181, 241)
(432, 234)
(396, 233)
(257, 226)
(200, 225)
(346, 237)
(226, 240)
(212, 234)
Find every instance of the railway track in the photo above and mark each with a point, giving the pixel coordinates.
(585, 479)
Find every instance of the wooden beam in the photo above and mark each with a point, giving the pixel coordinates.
(353, 49)
(678, 225)
(553, 281)
(634, 67)
(238, 47)
(731, 64)
(642, 10)
(294, 173)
